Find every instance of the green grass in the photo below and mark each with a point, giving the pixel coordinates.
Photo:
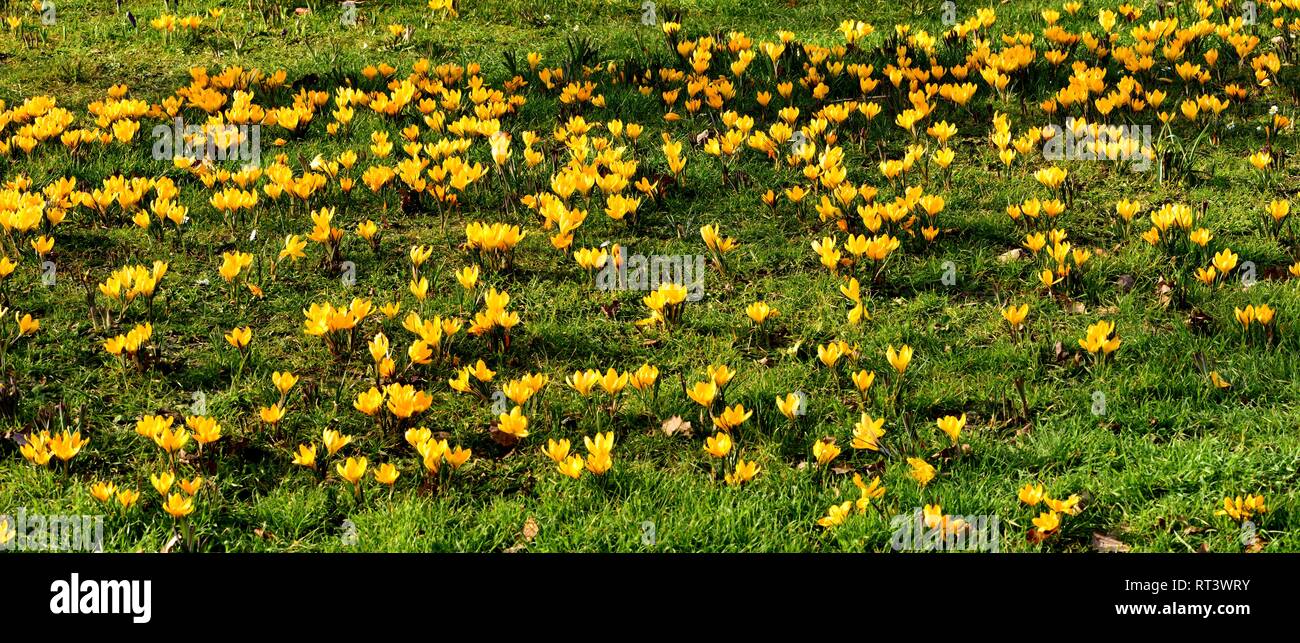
(1151, 470)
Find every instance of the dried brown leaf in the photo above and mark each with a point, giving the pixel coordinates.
(675, 425)
(507, 440)
(1010, 255)
(1107, 544)
(1125, 282)
(166, 549)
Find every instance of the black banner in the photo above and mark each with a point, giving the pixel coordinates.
(1095, 591)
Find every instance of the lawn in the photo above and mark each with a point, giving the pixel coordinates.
(812, 136)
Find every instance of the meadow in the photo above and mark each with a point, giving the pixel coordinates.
(1028, 260)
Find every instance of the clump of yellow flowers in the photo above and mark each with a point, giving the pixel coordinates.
(1047, 522)
(599, 458)
(1242, 509)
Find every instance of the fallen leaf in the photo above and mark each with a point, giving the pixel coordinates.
(504, 439)
(1108, 545)
(1124, 283)
(674, 425)
(166, 549)
(530, 529)
(1009, 256)
(1163, 290)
